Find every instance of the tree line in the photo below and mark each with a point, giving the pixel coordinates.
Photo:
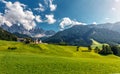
(107, 49)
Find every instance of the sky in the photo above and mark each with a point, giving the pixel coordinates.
(58, 14)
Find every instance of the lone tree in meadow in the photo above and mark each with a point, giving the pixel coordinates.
(77, 48)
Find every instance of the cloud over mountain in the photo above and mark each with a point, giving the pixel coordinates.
(67, 23)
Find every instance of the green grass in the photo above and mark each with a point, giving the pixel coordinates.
(97, 44)
(53, 59)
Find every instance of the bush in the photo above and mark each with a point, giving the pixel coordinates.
(27, 41)
(12, 48)
(62, 43)
(96, 50)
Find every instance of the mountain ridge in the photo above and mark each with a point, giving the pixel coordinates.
(82, 35)
(35, 32)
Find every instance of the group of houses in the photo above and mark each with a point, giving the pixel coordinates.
(36, 41)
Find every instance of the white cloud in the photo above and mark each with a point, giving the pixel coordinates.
(50, 19)
(117, 0)
(52, 6)
(48, 4)
(113, 9)
(67, 23)
(38, 18)
(41, 8)
(1, 19)
(107, 18)
(15, 13)
(39, 35)
(4, 21)
(95, 23)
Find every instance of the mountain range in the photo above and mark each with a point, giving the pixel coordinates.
(76, 35)
(110, 26)
(82, 34)
(35, 32)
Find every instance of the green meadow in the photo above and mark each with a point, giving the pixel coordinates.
(53, 59)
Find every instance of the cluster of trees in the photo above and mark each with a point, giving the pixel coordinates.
(27, 40)
(4, 35)
(106, 50)
(116, 50)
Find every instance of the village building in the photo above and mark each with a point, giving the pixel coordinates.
(21, 40)
(37, 41)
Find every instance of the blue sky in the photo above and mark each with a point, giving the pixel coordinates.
(60, 14)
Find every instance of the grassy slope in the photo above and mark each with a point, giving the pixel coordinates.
(97, 44)
(53, 59)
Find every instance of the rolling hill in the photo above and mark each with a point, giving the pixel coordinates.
(97, 44)
(53, 59)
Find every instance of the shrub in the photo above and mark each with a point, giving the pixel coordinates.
(12, 48)
(96, 50)
(63, 43)
(27, 41)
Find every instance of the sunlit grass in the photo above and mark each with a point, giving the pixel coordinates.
(53, 59)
